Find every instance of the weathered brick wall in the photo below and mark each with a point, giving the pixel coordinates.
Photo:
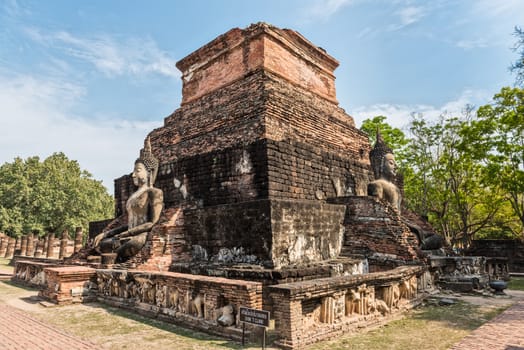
(190, 300)
(223, 176)
(300, 170)
(321, 140)
(277, 232)
(296, 113)
(305, 231)
(227, 117)
(513, 250)
(236, 53)
(246, 225)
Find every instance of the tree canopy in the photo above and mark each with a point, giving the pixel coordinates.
(518, 66)
(465, 172)
(49, 196)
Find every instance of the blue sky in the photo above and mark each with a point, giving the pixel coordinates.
(92, 78)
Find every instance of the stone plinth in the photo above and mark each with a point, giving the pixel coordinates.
(460, 273)
(275, 233)
(30, 272)
(376, 231)
(189, 300)
(309, 311)
(68, 284)
(497, 268)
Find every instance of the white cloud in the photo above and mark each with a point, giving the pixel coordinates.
(399, 115)
(472, 44)
(109, 55)
(411, 14)
(14, 8)
(324, 9)
(407, 16)
(37, 113)
(490, 8)
(489, 23)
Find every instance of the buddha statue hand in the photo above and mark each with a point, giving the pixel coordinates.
(98, 239)
(108, 234)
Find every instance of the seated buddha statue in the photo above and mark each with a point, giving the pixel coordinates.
(143, 211)
(385, 169)
(385, 188)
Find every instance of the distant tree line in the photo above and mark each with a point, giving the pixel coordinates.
(49, 196)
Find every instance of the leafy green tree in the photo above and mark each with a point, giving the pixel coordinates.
(394, 137)
(422, 154)
(49, 196)
(464, 173)
(497, 139)
(446, 184)
(518, 66)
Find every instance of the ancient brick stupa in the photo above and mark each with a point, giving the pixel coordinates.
(251, 161)
(259, 177)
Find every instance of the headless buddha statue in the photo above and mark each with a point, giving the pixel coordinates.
(143, 211)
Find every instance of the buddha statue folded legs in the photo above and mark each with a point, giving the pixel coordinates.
(143, 211)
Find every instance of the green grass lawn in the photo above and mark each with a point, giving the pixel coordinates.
(516, 283)
(428, 327)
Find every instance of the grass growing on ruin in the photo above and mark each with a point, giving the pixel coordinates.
(429, 327)
(516, 283)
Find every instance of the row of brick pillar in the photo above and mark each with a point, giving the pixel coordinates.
(46, 247)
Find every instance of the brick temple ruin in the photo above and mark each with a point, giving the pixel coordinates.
(264, 179)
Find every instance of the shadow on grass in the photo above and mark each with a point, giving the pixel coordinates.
(169, 327)
(192, 335)
(21, 286)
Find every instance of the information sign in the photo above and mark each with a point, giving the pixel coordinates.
(254, 316)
